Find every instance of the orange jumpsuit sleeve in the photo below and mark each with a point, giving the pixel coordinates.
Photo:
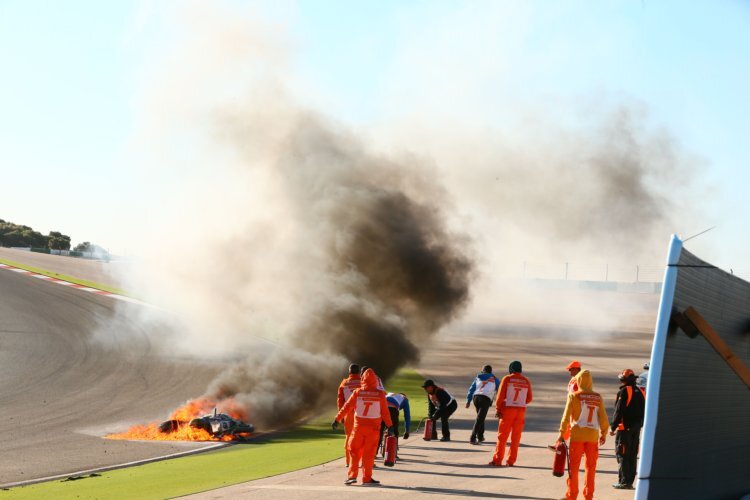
(340, 400)
(349, 406)
(384, 413)
(502, 393)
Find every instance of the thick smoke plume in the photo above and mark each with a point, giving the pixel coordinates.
(394, 274)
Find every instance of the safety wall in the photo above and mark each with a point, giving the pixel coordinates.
(696, 438)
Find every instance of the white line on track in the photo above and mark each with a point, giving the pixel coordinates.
(84, 288)
(113, 467)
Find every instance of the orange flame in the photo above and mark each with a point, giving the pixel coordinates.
(183, 415)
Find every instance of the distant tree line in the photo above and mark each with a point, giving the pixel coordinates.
(15, 235)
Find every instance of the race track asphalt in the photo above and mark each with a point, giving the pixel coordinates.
(60, 392)
(106, 273)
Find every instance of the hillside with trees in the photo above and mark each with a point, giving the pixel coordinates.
(15, 235)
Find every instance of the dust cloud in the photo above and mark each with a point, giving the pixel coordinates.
(556, 204)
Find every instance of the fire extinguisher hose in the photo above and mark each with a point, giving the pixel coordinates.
(421, 422)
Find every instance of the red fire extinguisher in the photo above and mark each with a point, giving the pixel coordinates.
(428, 429)
(391, 445)
(561, 459)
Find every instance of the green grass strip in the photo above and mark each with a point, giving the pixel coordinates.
(65, 277)
(305, 446)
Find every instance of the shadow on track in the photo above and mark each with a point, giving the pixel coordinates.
(463, 493)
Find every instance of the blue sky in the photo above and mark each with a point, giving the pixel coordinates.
(74, 74)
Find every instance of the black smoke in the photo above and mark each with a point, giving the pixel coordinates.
(395, 273)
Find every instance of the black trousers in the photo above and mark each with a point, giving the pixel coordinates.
(626, 450)
(444, 414)
(481, 405)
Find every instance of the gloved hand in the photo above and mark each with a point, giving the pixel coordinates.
(391, 431)
(335, 425)
(406, 435)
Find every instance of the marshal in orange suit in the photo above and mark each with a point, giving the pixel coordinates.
(512, 398)
(585, 409)
(346, 388)
(369, 407)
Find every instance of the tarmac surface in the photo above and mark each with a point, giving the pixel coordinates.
(105, 273)
(60, 392)
(437, 469)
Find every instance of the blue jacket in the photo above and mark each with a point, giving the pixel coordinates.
(402, 403)
(485, 384)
